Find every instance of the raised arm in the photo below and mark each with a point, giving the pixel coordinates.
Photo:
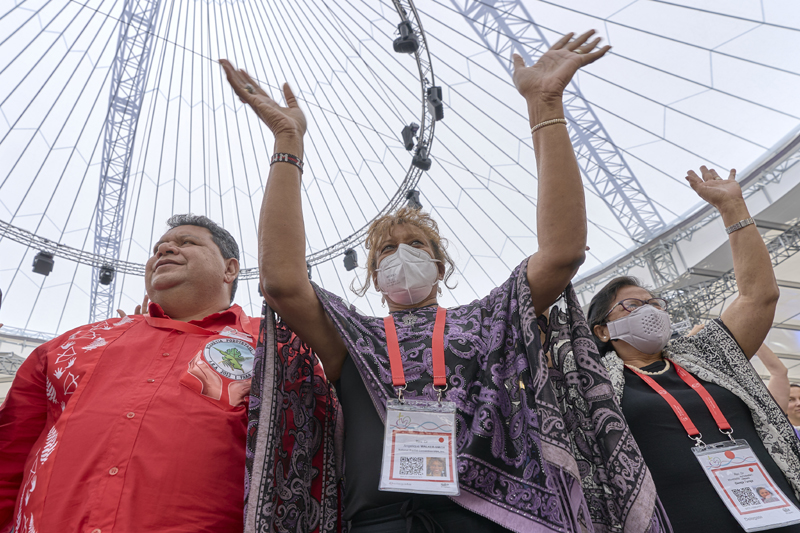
(560, 209)
(778, 384)
(750, 315)
(281, 233)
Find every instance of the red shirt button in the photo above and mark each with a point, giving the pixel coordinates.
(165, 354)
(113, 471)
(131, 415)
(96, 531)
(150, 380)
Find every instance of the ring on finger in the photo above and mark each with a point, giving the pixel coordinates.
(249, 88)
(578, 51)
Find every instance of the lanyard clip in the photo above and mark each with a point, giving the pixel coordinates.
(698, 439)
(728, 433)
(399, 391)
(439, 393)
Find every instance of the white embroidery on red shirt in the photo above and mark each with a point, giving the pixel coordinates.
(50, 444)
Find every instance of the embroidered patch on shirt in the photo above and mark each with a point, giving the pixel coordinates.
(232, 358)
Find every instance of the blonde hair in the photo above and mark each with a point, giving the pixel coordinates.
(382, 226)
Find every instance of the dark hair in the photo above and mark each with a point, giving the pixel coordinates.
(224, 240)
(601, 304)
(794, 385)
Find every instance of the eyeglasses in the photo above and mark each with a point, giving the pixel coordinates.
(632, 304)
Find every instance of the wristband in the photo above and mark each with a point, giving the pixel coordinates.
(739, 225)
(287, 158)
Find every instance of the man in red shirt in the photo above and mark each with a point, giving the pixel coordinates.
(138, 423)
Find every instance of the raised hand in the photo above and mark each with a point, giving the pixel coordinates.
(138, 310)
(713, 189)
(551, 74)
(281, 121)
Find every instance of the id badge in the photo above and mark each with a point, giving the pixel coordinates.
(419, 448)
(749, 493)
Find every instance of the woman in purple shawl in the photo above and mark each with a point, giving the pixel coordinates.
(538, 449)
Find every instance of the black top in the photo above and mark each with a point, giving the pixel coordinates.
(691, 502)
(363, 449)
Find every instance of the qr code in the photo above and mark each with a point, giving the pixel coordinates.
(746, 496)
(412, 466)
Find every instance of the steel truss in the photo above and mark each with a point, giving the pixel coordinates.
(10, 363)
(127, 90)
(407, 12)
(505, 26)
(657, 256)
(695, 301)
(131, 63)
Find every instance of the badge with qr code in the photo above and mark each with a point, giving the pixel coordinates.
(744, 485)
(419, 453)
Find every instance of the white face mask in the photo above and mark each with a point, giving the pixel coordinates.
(408, 275)
(647, 329)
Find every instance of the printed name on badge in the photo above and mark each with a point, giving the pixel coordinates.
(745, 487)
(419, 448)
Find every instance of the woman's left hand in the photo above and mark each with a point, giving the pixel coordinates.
(713, 189)
(551, 74)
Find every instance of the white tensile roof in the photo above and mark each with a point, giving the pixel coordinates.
(686, 83)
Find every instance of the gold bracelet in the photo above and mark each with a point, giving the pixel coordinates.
(548, 123)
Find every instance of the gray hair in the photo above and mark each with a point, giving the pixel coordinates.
(224, 240)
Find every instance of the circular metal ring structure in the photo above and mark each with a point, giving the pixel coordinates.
(408, 13)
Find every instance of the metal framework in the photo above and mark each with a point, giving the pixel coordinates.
(657, 255)
(132, 60)
(31, 240)
(127, 90)
(695, 301)
(407, 12)
(505, 26)
(10, 363)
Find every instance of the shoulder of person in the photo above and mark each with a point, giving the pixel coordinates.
(713, 338)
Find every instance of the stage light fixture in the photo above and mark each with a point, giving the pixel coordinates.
(412, 198)
(350, 259)
(106, 275)
(408, 133)
(435, 104)
(43, 263)
(421, 159)
(408, 42)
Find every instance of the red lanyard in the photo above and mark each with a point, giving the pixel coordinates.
(437, 348)
(168, 323)
(688, 425)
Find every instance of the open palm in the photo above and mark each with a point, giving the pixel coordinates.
(551, 74)
(288, 120)
(712, 188)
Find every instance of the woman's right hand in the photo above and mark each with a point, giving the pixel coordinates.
(282, 121)
(718, 192)
(553, 71)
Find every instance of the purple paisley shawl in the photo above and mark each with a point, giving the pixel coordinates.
(538, 450)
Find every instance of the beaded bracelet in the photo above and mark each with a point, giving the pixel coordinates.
(548, 123)
(287, 158)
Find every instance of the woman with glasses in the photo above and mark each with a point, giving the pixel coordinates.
(651, 374)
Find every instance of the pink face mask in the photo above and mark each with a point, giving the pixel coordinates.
(647, 329)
